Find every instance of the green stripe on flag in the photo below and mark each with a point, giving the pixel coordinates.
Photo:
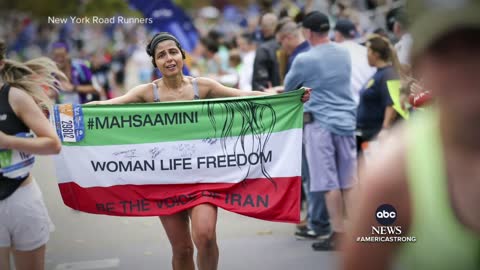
(191, 120)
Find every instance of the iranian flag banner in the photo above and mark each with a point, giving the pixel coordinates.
(153, 159)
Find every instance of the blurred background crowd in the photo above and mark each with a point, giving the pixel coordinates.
(221, 37)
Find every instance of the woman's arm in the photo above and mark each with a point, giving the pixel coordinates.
(389, 116)
(26, 109)
(135, 95)
(217, 90)
(85, 88)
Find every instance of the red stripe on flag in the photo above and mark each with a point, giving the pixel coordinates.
(259, 198)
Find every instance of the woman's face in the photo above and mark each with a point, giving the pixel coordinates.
(61, 57)
(286, 42)
(372, 57)
(168, 58)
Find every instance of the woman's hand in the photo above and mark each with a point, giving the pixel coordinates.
(416, 88)
(67, 86)
(306, 95)
(275, 90)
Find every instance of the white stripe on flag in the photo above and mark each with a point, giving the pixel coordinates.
(282, 153)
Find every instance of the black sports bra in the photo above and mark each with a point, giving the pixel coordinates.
(9, 124)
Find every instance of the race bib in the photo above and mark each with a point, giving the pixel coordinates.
(68, 119)
(16, 164)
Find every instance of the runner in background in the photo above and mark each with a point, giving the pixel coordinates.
(429, 171)
(24, 224)
(168, 56)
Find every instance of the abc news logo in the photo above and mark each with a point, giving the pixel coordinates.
(386, 215)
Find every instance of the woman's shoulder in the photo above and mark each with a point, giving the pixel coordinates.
(144, 87)
(16, 94)
(20, 99)
(388, 72)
